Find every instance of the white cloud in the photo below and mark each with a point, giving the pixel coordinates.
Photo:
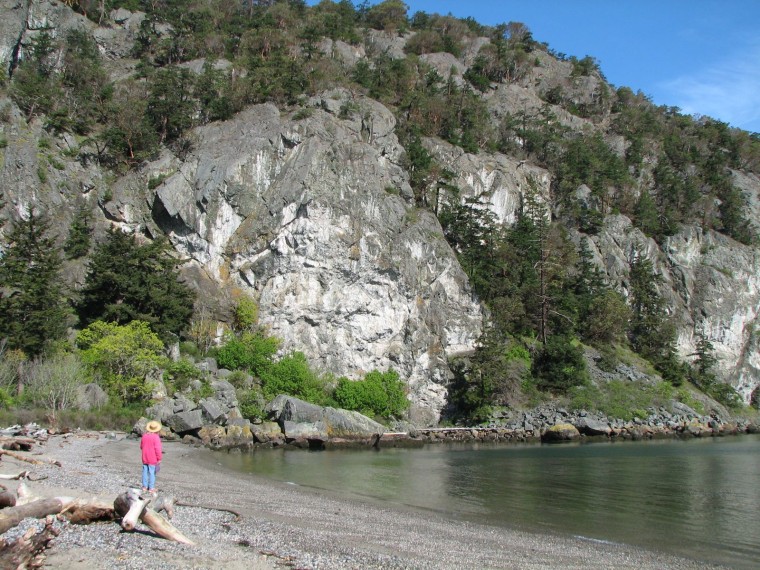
(729, 91)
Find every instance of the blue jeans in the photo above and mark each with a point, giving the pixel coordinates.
(149, 476)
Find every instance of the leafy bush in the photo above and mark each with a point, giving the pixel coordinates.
(250, 351)
(239, 379)
(726, 395)
(251, 404)
(293, 376)
(121, 356)
(179, 374)
(6, 400)
(378, 394)
(245, 314)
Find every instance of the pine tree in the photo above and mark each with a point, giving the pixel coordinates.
(78, 242)
(32, 308)
(127, 281)
(652, 334)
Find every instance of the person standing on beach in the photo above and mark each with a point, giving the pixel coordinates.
(150, 444)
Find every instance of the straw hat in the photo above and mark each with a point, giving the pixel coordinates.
(153, 426)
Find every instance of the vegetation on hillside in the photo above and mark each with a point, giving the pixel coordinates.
(544, 296)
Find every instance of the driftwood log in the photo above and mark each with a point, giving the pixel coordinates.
(19, 475)
(12, 516)
(17, 443)
(132, 507)
(28, 459)
(26, 552)
(7, 499)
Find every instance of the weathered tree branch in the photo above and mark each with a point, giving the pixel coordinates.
(130, 502)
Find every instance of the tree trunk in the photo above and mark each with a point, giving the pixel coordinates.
(23, 552)
(7, 499)
(17, 443)
(12, 516)
(132, 508)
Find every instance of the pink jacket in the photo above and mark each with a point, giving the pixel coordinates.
(151, 448)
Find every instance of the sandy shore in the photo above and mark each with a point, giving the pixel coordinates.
(285, 526)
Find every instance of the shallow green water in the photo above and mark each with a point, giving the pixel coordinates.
(698, 498)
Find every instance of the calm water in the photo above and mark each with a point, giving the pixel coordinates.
(698, 498)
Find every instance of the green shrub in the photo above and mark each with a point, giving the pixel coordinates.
(251, 404)
(238, 379)
(378, 394)
(189, 348)
(121, 356)
(250, 351)
(179, 374)
(726, 395)
(245, 314)
(293, 376)
(204, 391)
(6, 400)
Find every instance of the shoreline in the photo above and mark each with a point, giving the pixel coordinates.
(284, 525)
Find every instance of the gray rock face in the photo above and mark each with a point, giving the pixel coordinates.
(91, 396)
(591, 426)
(712, 287)
(298, 418)
(314, 218)
(184, 422)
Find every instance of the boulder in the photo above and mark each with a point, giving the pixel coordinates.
(287, 408)
(305, 430)
(224, 393)
(161, 411)
(238, 436)
(211, 436)
(346, 424)
(91, 396)
(184, 422)
(212, 410)
(560, 432)
(182, 403)
(208, 365)
(140, 428)
(590, 426)
(324, 423)
(267, 432)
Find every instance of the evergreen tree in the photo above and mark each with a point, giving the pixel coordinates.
(127, 281)
(32, 308)
(78, 242)
(652, 333)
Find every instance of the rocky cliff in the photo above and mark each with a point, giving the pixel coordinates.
(312, 213)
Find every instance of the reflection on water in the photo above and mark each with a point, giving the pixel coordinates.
(698, 498)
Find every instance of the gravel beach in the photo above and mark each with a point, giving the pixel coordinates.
(284, 526)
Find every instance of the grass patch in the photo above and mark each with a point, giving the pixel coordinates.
(622, 399)
(107, 418)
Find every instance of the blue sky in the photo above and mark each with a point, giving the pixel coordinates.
(702, 56)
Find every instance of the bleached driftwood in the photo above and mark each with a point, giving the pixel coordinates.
(165, 503)
(12, 516)
(131, 502)
(134, 504)
(28, 459)
(19, 475)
